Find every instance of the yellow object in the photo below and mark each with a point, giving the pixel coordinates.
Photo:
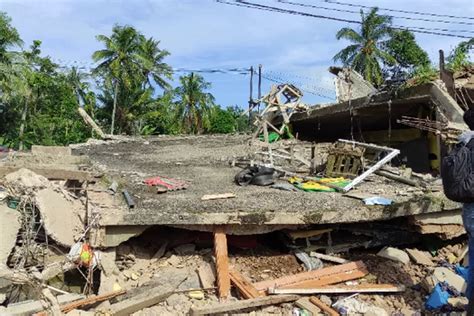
(313, 185)
(452, 258)
(86, 255)
(198, 295)
(116, 287)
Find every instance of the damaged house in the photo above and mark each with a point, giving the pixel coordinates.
(357, 174)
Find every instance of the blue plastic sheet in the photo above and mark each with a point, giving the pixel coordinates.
(438, 298)
(377, 200)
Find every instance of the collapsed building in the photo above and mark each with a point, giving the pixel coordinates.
(383, 146)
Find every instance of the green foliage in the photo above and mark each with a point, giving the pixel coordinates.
(460, 56)
(39, 100)
(193, 104)
(403, 47)
(366, 53)
(128, 66)
(422, 74)
(378, 50)
(221, 121)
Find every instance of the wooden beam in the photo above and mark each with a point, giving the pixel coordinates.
(245, 287)
(331, 274)
(235, 306)
(316, 301)
(87, 301)
(327, 257)
(222, 262)
(208, 197)
(342, 289)
(89, 121)
(52, 174)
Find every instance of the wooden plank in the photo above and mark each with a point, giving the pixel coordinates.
(342, 289)
(244, 304)
(208, 197)
(316, 301)
(330, 272)
(328, 258)
(245, 287)
(52, 174)
(305, 304)
(222, 262)
(329, 279)
(87, 301)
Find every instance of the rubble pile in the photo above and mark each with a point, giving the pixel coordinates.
(313, 216)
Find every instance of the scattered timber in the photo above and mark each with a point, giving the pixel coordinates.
(401, 179)
(87, 301)
(222, 262)
(244, 304)
(316, 278)
(218, 196)
(316, 301)
(328, 258)
(89, 121)
(245, 287)
(361, 288)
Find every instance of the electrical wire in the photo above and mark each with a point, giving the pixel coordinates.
(299, 4)
(246, 4)
(400, 11)
(276, 79)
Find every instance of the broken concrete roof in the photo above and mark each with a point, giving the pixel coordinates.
(203, 161)
(374, 112)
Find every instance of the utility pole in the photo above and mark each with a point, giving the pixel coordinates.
(259, 85)
(251, 92)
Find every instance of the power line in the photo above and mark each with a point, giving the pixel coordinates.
(279, 80)
(400, 11)
(356, 12)
(246, 4)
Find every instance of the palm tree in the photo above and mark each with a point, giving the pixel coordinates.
(9, 37)
(77, 80)
(129, 60)
(118, 61)
(193, 103)
(366, 52)
(153, 67)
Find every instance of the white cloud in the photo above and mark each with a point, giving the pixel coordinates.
(204, 34)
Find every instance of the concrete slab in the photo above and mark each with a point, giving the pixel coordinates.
(63, 217)
(394, 254)
(203, 162)
(9, 227)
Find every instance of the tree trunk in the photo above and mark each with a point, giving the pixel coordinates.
(22, 125)
(115, 107)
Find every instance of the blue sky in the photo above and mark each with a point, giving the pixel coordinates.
(202, 34)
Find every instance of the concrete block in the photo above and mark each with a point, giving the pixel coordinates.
(442, 274)
(420, 257)
(394, 254)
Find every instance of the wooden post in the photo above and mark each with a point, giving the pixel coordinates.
(89, 121)
(259, 85)
(222, 262)
(251, 93)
